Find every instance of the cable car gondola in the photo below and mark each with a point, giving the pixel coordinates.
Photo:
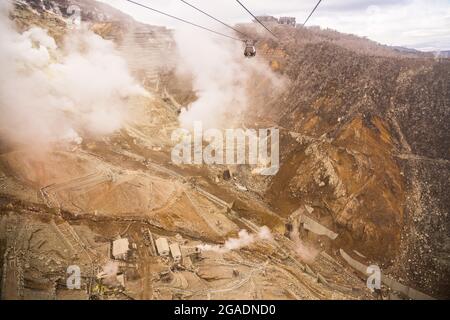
(250, 49)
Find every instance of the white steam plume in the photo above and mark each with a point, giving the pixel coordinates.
(110, 269)
(221, 75)
(109, 273)
(50, 94)
(305, 252)
(244, 240)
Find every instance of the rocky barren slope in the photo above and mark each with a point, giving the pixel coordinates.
(364, 151)
(367, 143)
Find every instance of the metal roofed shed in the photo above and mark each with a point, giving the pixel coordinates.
(162, 245)
(176, 252)
(120, 248)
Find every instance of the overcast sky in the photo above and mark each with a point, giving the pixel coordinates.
(419, 24)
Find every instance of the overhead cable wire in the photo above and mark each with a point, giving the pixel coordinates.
(257, 20)
(207, 14)
(182, 20)
(312, 12)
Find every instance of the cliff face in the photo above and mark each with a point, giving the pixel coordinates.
(367, 144)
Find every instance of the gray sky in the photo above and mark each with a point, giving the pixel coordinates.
(419, 24)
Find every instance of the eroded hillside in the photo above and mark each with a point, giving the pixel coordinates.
(366, 143)
(364, 170)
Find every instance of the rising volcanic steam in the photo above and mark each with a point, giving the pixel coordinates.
(244, 239)
(51, 94)
(109, 273)
(221, 77)
(305, 252)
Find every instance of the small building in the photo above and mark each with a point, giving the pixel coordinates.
(194, 253)
(288, 21)
(121, 279)
(266, 19)
(176, 252)
(162, 245)
(120, 249)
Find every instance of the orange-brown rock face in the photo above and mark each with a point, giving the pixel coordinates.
(365, 143)
(353, 183)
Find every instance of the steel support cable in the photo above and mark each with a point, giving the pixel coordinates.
(312, 12)
(207, 14)
(183, 20)
(257, 20)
